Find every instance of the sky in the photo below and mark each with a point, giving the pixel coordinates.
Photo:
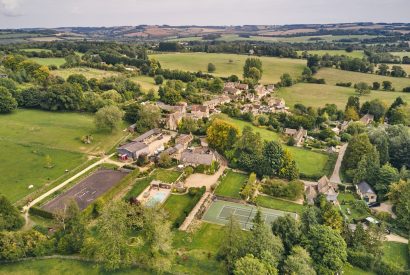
(70, 13)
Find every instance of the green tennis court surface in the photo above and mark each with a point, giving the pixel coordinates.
(220, 211)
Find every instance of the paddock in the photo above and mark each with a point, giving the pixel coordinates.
(220, 211)
(87, 190)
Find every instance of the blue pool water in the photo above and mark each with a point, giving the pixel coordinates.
(156, 199)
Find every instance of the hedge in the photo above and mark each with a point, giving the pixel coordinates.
(40, 212)
(360, 259)
(196, 194)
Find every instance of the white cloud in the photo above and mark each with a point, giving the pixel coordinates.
(10, 7)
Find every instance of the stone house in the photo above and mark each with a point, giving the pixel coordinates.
(366, 192)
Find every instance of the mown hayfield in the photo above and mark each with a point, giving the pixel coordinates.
(333, 76)
(147, 83)
(309, 162)
(228, 64)
(49, 61)
(316, 95)
(28, 136)
(354, 54)
(87, 72)
(37, 50)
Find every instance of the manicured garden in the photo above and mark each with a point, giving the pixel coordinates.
(358, 209)
(231, 184)
(274, 203)
(168, 176)
(228, 64)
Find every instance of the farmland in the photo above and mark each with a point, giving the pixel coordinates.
(28, 136)
(309, 162)
(147, 83)
(87, 72)
(49, 61)
(228, 64)
(333, 76)
(315, 95)
(354, 54)
(295, 39)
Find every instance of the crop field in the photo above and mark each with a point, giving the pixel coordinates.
(228, 64)
(316, 95)
(354, 54)
(28, 136)
(49, 61)
(87, 72)
(37, 50)
(309, 162)
(333, 76)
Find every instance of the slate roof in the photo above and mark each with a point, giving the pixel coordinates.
(364, 188)
(133, 146)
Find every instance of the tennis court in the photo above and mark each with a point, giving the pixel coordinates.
(220, 211)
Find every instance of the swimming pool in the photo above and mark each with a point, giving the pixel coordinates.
(157, 198)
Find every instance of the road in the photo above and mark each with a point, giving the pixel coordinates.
(61, 185)
(335, 178)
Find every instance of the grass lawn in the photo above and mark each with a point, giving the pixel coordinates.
(27, 136)
(49, 61)
(333, 76)
(354, 54)
(397, 253)
(278, 204)
(231, 184)
(273, 67)
(159, 174)
(309, 162)
(355, 213)
(176, 204)
(147, 83)
(60, 266)
(87, 72)
(316, 95)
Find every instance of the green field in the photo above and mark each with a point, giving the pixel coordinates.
(273, 67)
(36, 50)
(397, 253)
(147, 83)
(231, 184)
(354, 54)
(309, 162)
(274, 203)
(175, 205)
(49, 61)
(316, 95)
(333, 76)
(27, 136)
(87, 72)
(352, 270)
